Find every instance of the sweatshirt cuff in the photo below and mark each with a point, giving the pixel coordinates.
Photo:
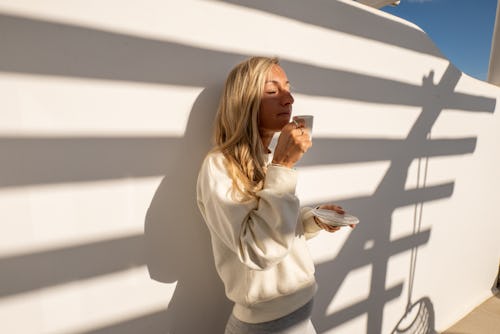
(310, 226)
(281, 179)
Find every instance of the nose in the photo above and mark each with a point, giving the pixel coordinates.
(287, 98)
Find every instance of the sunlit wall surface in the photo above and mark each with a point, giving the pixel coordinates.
(106, 112)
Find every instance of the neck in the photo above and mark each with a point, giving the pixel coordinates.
(266, 136)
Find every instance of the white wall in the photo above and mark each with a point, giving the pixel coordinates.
(106, 111)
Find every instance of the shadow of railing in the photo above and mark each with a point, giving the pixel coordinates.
(176, 246)
(376, 212)
(27, 272)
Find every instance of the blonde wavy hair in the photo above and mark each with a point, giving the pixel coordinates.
(236, 130)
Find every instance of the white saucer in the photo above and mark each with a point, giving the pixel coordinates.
(333, 218)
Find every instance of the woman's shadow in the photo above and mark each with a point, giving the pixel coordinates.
(177, 241)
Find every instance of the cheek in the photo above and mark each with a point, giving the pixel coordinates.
(264, 106)
(264, 113)
(263, 118)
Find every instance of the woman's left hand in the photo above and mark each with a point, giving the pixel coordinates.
(327, 227)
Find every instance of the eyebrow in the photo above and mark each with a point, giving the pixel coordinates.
(277, 82)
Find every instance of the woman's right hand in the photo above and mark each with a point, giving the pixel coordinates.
(293, 142)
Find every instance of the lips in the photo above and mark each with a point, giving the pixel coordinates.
(285, 113)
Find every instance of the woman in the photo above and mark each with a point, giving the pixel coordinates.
(246, 195)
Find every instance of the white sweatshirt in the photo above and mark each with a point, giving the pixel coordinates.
(259, 245)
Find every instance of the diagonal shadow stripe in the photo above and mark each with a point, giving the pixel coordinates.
(42, 160)
(327, 151)
(45, 160)
(399, 198)
(365, 257)
(338, 16)
(27, 272)
(319, 81)
(152, 323)
(35, 46)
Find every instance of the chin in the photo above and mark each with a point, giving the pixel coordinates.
(282, 124)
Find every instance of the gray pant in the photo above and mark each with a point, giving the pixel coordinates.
(297, 322)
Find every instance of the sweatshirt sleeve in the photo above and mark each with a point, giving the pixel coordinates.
(311, 229)
(260, 231)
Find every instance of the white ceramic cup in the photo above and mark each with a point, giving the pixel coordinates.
(308, 120)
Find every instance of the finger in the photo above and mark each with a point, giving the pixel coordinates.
(300, 131)
(323, 226)
(299, 122)
(289, 127)
(326, 227)
(302, 134)
(338, 209)
(304, 144)
(333, 229)
(307, 136)
(301, 139)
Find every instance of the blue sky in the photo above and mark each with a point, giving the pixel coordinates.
(461, 29)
